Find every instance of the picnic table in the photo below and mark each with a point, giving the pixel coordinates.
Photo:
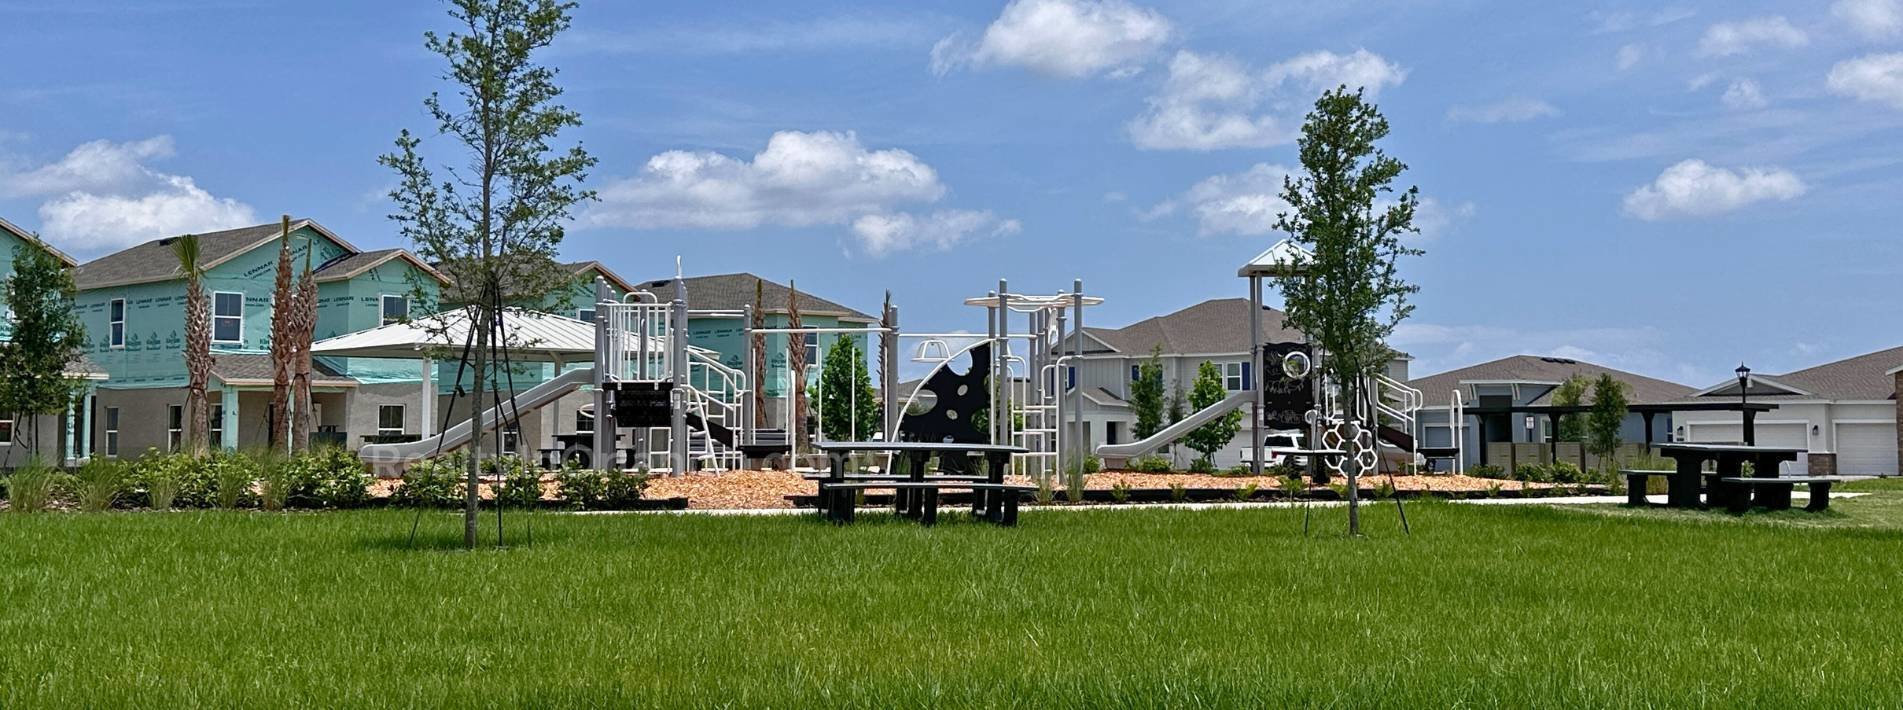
(1686, 479)
(916, 494)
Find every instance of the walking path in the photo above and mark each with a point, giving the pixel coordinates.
(1570, 500)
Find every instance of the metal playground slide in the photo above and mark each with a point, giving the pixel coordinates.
(1178, 430)
(458, 435)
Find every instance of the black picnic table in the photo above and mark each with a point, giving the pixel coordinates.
(919, 497)
(1685, 482)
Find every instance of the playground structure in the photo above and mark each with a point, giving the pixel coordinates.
(1305, 399)
(684, 409)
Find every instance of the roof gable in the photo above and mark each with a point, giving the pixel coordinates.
(1867, 377)
(736, 291)
(1546, 372)
(1212, 327)
(29, 238)
(153, 261)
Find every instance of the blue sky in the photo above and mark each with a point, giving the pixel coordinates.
(1664, 189)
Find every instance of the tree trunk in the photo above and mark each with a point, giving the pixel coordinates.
(283, 343)
(471, 496)
(198, 365)
(796, 368)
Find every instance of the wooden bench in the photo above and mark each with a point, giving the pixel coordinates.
(1683, 490)
(1775, 493)
(1003, 508)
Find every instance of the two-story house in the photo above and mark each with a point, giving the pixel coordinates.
(43, 436)
(133, 305)
(1214, 331)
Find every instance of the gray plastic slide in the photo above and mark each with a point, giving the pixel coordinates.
(1176, 431)
(456, 436)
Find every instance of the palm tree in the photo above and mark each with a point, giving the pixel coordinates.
(796, 365)
(283, 309)
(302, 327)
(197, 346)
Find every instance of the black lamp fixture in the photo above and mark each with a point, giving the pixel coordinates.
(1744, 379)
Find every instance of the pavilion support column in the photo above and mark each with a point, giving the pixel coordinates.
(426, 401)
(1750, 428)
(1648, 431)
(85, 434)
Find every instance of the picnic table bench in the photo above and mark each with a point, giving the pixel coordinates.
(1775, 493)
(1717, 485)
(915, 492)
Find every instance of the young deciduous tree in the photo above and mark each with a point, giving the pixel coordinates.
(494, 221)
(849, 407)
(1210, 438)
(1571, 393)
(197, 346)
(1606, 419)
(1350, 296)
(46, 338)
(1146, 395)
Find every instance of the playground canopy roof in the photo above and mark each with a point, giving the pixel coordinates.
(1285, 258)
(532, 336)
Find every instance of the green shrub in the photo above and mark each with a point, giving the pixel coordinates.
(1384, 490)
(1532, 473)
(1150, 464)
(100, 483)
(1120, 492)
(1074, 489)
(520, 485)
(32, 487)
(234, 475)
(621, 490)
(433, 483)
(1092, 464)
(191, 481)
(330, 477)
(1178, 492)
(277, 479)
(1566, 472)
(159, 478)
(1246, 492)
(600, 490)
(1046, 489)
(1487, 471)
(1202, 464)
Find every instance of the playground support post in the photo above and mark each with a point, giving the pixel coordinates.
(1255, 356)
(1074, 395)
(748, 431)
(677, 355)
(604, 444)
(889, 372)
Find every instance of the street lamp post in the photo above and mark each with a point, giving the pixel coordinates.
(1744, 399)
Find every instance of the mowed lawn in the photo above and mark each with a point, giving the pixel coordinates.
(1520, 606)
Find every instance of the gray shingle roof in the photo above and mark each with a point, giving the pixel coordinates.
(1858, 378)
(1535, 368)
(154, 261)
(256, 367)
(735, 291)
(351, 264)
(1215, 326)
(614, 279)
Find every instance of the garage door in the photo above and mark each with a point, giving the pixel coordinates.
(1791, 436)
(1866, 449)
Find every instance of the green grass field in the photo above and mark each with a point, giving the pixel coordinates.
(1518, 606)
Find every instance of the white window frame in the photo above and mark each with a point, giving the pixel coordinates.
(586, 413)
(811, 341)
(401, 414)
(7, 427)
(174, 435)
(585, 315)
(116, 327)
(383, 308)
(215, 425)
(1231, 371)
(112, 432)
(215, 317)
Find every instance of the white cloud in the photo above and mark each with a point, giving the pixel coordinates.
(1210, 102)
(1611, 22)
(1509, 110)
(1061, 38)
(1874, 77)
(881, 234)
(1693, 188)
(102, 196)
(1436, 219)
(1874, 19)
(1728, 38)
(96, 166)
(1246, 203)
(87, 222)
(1743, 95)
(800, 179)
(1629, 56)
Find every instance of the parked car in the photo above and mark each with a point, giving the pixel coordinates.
(1278, 447)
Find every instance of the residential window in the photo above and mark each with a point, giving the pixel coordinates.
(118, 317)
(112, 431)
(512, 438)
(6, 432)
(1070, 377)
(812, 348)
(227, 317)
(217, 425)
(174, 427)
(1136, 372)
(396, 309)
(1235, 376)
(585, 315)
(390, 420)
(585, 420)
